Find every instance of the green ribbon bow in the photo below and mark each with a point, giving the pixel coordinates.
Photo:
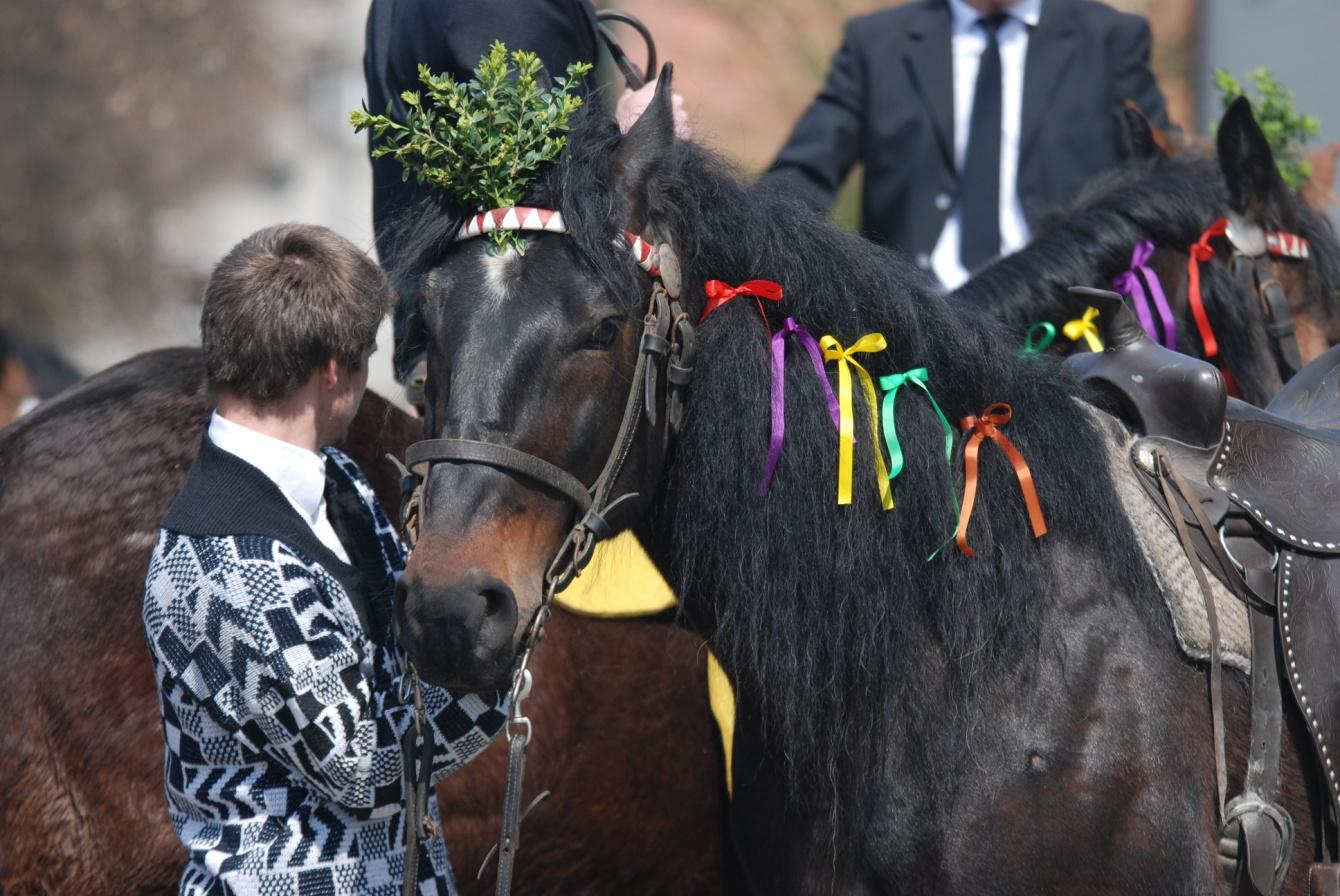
(917, 376)
(1039, 338)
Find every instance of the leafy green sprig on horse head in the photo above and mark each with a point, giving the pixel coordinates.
(482, 142)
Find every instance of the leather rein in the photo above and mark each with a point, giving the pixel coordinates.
(654, 406)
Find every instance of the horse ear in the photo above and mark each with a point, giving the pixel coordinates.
(1143, 140)
(644, 150)
(1254, 183)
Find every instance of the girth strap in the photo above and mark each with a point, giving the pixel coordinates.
(431, 451)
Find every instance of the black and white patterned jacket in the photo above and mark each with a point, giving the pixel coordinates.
(279, 682)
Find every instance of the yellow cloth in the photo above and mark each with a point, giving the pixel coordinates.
(721, 696)
(620, 582)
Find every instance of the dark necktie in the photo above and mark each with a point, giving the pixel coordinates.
(980, 189)
(369, 590)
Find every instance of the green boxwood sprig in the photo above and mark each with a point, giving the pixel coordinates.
(485, 141)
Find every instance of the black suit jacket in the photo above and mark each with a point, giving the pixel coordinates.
(888, 103)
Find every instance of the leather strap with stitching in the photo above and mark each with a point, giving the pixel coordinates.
(1168, 478)
(430, 451)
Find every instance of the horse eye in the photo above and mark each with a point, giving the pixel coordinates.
(603, 336)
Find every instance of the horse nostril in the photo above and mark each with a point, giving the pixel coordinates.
(497, 598)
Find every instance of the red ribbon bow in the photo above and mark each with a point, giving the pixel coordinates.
(1199, 251)
(987, 427)
(719, 293)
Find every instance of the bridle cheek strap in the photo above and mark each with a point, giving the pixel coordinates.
(1253, 249)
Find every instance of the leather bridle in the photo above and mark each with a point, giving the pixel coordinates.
(663, 372)
(653, 412)
(1253, 248)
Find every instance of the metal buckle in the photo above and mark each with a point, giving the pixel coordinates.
(516, 722)
(1247, 239)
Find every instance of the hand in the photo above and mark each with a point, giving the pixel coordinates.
(634, 102)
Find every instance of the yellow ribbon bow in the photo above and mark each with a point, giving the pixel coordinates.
(833, 351)
(1085, 328)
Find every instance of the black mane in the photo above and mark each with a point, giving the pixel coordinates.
(1317, 229)
(1168, 201)
(827, 617)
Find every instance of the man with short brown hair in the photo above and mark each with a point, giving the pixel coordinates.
(284, 300)
(267, 603)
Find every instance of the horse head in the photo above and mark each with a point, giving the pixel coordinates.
(529, 353)
(1264, 208)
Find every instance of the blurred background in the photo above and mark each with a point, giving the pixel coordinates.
(148, 136)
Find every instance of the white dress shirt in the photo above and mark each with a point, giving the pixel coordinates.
(968, 41)
(299, 474)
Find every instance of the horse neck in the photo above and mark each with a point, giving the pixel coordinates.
(794, 576)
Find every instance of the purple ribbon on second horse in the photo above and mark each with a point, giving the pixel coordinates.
(1129, 283)
(790, 328)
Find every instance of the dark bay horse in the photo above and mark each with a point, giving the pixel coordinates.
(1017, 722)
(1170, 202)
(629, 747)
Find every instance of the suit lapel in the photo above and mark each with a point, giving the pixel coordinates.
(930, 64)
(1051, 47)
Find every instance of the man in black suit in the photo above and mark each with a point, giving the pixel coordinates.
(973, 119)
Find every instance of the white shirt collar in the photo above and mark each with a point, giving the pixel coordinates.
(299, 474)
(965, 16)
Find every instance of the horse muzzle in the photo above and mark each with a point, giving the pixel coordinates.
(461, 635)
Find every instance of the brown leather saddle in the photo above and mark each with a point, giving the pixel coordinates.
(1268, 487)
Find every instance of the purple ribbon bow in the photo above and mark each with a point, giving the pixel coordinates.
(790, 328)
(1129, 283)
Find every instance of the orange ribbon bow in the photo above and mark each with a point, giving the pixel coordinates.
(719, 293)
(986, 427)
(1200, 251)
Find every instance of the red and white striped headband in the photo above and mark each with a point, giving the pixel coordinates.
(549, 221)
(1288, 245)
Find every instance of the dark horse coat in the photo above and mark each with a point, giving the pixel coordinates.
(1020, 720)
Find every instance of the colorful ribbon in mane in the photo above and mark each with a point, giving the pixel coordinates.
(1084, 328)
(1039, 337)
(791, 328)
(988, 426)
(1132, 283)
(1200, 251)
(833, 351)
(720, 293)
(917, 376)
